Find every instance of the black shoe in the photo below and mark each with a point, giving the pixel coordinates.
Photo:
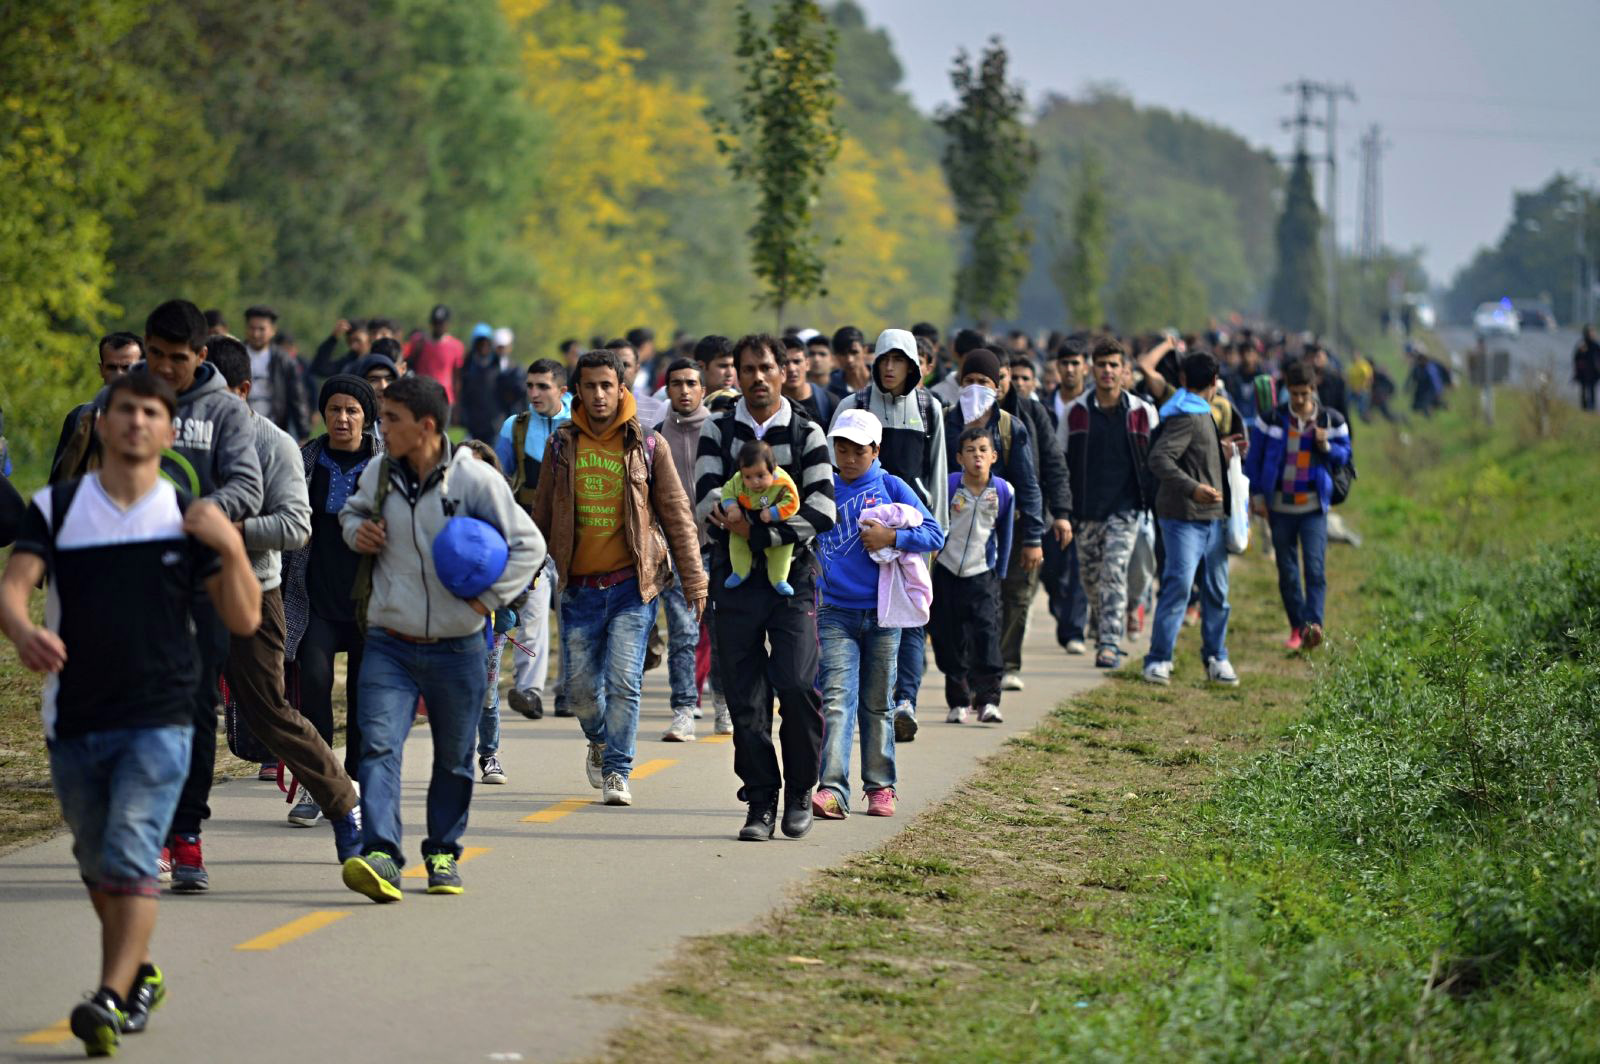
(528, 703)
(797, 813)
(98, 1024)
(760, 821)
(149, 991)
(562, 710)
(905, 727)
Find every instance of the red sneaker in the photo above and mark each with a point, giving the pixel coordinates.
(881, 803)
(188, 866)
(1294, 641)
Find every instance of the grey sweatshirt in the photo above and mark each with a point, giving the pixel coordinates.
(406, 593)
(213, 454)
(284, 521)
(682, 433)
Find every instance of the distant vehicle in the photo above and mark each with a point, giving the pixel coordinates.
(1422, 313)
(1496, 319)
(1535, 315)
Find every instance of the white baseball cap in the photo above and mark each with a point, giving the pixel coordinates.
(504, 337)
(858, 426)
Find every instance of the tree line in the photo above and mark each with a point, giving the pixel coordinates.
(553, 165)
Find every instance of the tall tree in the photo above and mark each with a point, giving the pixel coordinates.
(781, 140)
(73, 151)
(1084, 264)
(1297, 289)
(989, 160)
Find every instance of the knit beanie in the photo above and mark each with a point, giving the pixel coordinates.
(355, 387)
(984, 361)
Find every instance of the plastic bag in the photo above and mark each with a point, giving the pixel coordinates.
(1238, 507)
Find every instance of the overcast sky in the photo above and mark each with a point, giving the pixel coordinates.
(1476, 97)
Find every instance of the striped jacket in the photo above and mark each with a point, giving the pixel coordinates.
(801, 448)
(1263, 464)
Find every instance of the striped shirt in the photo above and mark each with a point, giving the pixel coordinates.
(1297, 489)
(801, 448)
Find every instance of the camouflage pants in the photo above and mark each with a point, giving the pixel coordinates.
(1104, 548)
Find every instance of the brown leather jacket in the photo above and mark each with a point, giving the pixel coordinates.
(658, 518)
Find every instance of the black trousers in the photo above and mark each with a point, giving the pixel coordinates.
(766, 645)
(212, 644)
(965, 623)
(314, 660)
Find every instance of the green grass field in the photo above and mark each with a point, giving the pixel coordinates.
(1384, 852)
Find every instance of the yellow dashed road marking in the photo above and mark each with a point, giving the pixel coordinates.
(48, 1036)
(551, 813)
(293, 929)
(650, 768)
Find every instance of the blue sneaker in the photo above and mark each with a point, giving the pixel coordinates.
(734, 580)
(347, 835)
(783, 588)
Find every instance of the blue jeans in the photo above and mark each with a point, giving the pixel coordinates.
(1292, 536)
(489, 722)
(450, 675)
(604, 635)
(1063, 586)
(118, 790)
(683, 636)
(1192, 545)
(858, 668)
(910, 665)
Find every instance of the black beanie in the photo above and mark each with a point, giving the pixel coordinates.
(355, 387)
(982, 361)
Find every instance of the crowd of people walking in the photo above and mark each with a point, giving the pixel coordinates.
(808, 512)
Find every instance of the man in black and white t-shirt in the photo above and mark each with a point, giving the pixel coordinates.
(117, 706)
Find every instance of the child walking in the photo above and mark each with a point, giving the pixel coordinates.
(966, 582)
(860, 613)
(762, 487)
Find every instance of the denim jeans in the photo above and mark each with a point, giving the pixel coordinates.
(1294, 535)
(1069, 605)
(533, 632)
(604, 635)
(450, 675)
(118, 790)
(489, 722)
(683, 636)
(1192, 545)
(858, 671)
(911, 663)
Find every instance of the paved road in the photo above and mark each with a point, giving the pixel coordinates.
(567, 901)
(1532, 353)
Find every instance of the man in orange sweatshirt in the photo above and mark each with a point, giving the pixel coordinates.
(612, 507)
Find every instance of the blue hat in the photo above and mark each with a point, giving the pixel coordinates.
(482, 331)
(468, 555)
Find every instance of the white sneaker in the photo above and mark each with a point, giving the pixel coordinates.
(493, 771)
(724, 724)
(957, 715)
(698, 712)
(1218, 670)
(1158, 672)
(616, 792)
(594, 763)
(1077, 646)
(991, 714)
(1011, 682)
(681, 730)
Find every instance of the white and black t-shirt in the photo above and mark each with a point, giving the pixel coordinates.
(121, 582)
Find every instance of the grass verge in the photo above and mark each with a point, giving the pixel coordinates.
(1387, 854)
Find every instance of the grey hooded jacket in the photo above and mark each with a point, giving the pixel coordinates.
(284, 522)
(407, 596)
(918, 456)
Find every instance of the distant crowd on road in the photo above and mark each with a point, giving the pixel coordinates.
(808, 512)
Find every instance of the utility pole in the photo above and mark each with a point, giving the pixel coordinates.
(1305, 90)
(1372, 147)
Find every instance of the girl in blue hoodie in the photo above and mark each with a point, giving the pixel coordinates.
(858, 654)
